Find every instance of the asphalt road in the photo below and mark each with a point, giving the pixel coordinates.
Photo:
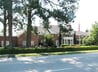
(57, 63)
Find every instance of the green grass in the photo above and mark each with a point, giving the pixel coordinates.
(57, 53)
(28, 54)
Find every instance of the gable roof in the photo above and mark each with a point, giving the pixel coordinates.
(82, 33)
(54, 29)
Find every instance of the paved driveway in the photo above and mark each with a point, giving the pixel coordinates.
(58, 63)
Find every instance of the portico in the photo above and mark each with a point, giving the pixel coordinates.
(68, 40)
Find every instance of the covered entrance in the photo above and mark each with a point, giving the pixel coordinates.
(68, 40)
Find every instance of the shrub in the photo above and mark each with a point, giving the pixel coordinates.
(40, 50)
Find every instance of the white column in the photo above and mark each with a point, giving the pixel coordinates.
(66, 41)
(57, 43)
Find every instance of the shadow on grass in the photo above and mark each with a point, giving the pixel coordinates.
(11, 56)
(8, 56)
(44, 54)
(61, 53)
(49, 53)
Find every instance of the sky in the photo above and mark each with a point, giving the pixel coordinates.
(86, 15)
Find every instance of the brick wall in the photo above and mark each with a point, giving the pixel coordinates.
(14, 40)
(22, 38)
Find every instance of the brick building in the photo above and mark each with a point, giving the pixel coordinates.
(20, 39)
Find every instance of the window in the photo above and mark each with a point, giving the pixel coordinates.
(2, 43)
(32, 43)
(24, 43)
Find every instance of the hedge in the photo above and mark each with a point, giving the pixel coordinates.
(40, 50)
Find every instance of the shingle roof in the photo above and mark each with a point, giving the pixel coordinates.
(82, 33)
(54, 29)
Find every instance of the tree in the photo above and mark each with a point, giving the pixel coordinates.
(64, 15)
(61, 10)
(94, 33)
(46, 25)
(29, 11)
(29, 25)
(3, 6)
(63, 29)
(92, 39)
(7, 8)
(8, 19)
(49, 41)
(9, 4)
(5, 24)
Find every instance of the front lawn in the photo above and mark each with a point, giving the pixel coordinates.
(56, 53)
(46, 50)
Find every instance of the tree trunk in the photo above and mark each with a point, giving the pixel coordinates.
(10, 22)
(5, 25)
(29, 28)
